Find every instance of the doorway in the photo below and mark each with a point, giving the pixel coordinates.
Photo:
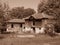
(34, 29)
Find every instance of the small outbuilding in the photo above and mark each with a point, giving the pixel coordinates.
(15, 25)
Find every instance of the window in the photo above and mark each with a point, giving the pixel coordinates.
(20, 25)
(33, 22)
(34, 29)
(39, 28)
(12, 26)
(24, 27)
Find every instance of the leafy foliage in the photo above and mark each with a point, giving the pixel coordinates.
(51, 7)
(3, 10)
(20, 12)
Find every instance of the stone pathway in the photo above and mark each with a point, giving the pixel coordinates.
(22, 36)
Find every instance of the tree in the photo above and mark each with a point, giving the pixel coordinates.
(1, 13)
(16, 12)
(3, 10)
(28, 12)
(20, 12)
(50, 7)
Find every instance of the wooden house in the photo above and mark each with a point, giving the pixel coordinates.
(15, 25)
(36, 22)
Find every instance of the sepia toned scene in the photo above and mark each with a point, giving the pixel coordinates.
(29, 22)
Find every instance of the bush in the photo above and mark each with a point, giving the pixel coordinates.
(57, 28)
(50, 30)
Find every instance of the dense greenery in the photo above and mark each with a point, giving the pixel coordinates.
(3, 9)
(51, 7)
(20, 12)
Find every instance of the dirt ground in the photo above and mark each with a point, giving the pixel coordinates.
(9, 39)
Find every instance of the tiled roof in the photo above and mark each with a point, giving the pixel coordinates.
(41, 16)
(17, 20)
(36, 16)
